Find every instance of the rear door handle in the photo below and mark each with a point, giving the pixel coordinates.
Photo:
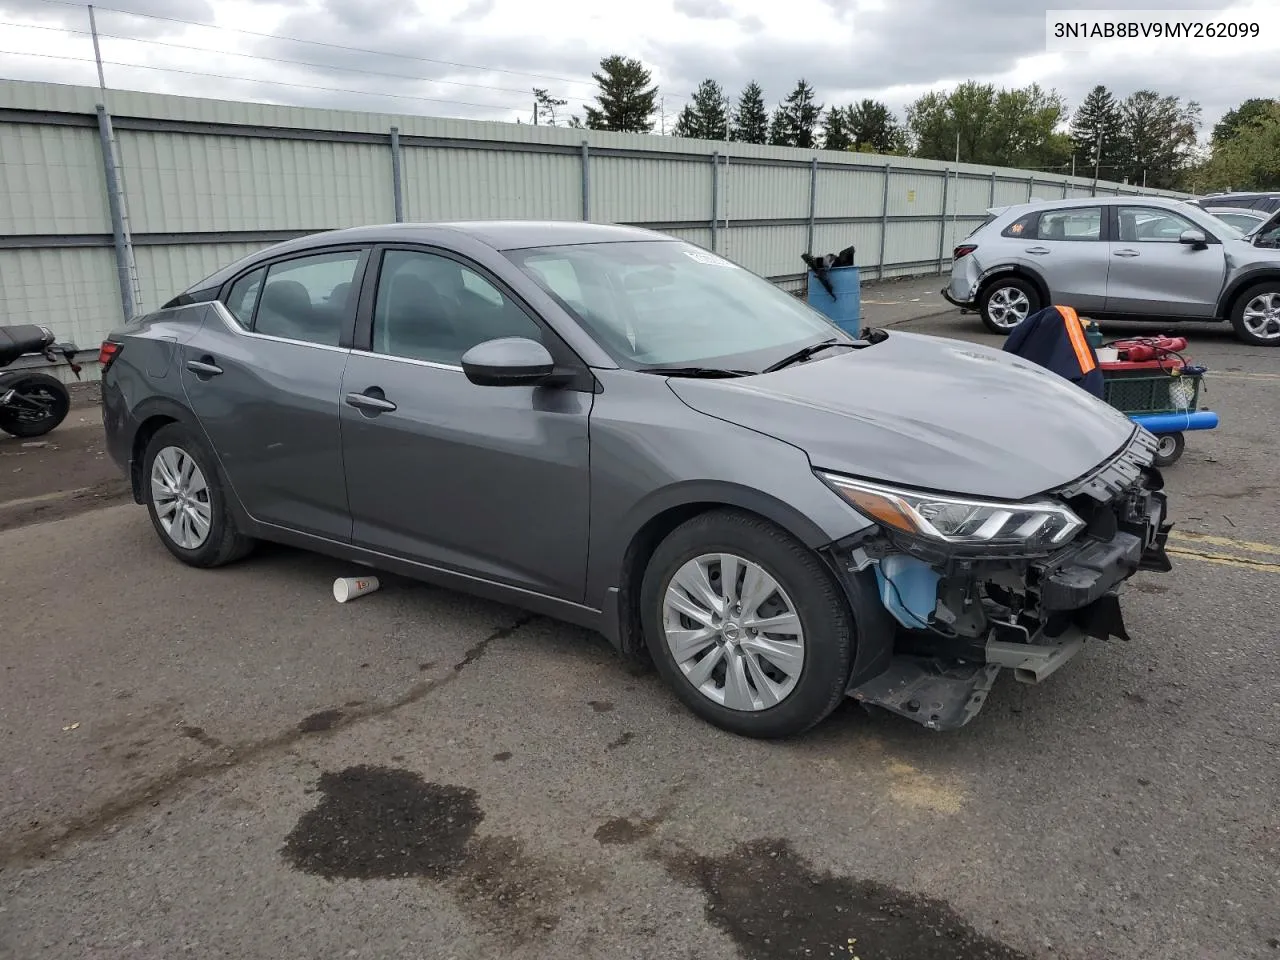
(1038, 251)
(1127, 253)
(204, 367)
(373, 404)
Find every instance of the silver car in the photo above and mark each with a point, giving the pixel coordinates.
(1119, 258)
(616, 428)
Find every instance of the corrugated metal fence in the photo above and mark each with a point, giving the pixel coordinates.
(206, 181)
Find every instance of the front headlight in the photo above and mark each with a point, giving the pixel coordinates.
(960, 521)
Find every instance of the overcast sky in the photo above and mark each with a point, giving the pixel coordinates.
(479, 58)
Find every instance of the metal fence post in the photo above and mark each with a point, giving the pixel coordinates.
(884, 223)
(991, 196)
(397, 191)
(1065, 185)
(715, 198)
(1031, 188)
(586, 181)
(813, 198)
(121, 240)
(942, 227)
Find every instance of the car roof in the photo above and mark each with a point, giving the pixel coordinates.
(498, 234)
(1168, 203)
(501, 235)
(1243, 211)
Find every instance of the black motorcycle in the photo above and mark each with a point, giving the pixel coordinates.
(33, 403)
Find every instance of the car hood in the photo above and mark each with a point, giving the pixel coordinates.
(925, 412)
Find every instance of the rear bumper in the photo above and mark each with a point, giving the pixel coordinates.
(963, 304)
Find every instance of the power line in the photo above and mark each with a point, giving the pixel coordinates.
(257, 56)
(321, 43)
(279, 83)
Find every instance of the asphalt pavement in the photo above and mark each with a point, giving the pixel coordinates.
(230, 764)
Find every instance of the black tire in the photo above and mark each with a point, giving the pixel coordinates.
(1025, 287)
(23, 421)
(1243, 333)
(1170, 448)
(223, 542)
(817, 598)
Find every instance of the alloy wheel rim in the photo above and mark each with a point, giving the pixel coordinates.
(1166, 445)
(733, 632)
(1008, 307)
(1262, 316)
(180, 495)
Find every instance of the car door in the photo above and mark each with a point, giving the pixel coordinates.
(263, 377)
(1066, 246)
(1153, 273)
(488, 481)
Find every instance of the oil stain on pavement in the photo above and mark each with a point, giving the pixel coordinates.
(386, 823)
(382, 823)
(775, 905)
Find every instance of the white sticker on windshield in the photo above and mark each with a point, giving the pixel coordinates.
(708, 258)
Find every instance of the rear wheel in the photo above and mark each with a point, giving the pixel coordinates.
(185, 499)
(1005, 302)
(37, 404)
(1255, 315)
(747, 625)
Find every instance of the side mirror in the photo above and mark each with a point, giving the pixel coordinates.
(508, 362)
(1195, 238)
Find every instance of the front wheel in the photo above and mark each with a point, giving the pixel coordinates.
(1255, 316)
(1169, 447)
(185, 499)
(37, 404)
(747, 625)
(1006, 302)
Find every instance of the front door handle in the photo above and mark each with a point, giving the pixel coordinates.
(370, 401)
(204, 368)
(1038, 251)
(1127, 253)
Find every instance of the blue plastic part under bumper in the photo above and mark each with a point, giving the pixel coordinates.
(908, 589)
(1159, 423)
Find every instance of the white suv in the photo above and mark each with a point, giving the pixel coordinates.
(1119, 258)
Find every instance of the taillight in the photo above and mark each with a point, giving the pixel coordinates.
(964, 250)
(107, 354)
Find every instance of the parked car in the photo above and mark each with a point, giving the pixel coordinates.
(1242, 218)
(622, 430)
(1126, 258)
(1264, 202)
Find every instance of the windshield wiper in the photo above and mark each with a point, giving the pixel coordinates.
(704, 372)
(804, 353)
(871, 335)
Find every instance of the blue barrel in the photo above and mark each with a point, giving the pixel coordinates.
(845, 308)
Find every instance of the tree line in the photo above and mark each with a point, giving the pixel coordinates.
(1142, 138)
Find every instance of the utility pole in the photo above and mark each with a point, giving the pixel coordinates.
(535, 111)
(131, 290)
(1097, 163)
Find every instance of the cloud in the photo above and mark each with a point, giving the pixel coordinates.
(479, 55)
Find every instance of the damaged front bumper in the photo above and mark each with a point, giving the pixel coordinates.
(957, 621)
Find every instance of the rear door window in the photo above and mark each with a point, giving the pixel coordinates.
(1070, 223)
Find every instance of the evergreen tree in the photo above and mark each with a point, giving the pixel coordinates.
(779, 132)
(686, 123)
(707, 111)
(1159, 138)
(545, 106)
(1098, 114)
(873, 128)
(751, 119)
(626, 100)
(835, 130)
(801, 115)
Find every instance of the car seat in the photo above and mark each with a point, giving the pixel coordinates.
(286, 308)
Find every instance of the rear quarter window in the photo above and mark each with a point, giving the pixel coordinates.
(1024, 226)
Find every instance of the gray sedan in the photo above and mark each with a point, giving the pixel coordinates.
(619, 429)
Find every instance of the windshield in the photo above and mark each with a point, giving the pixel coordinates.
(668, 303)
